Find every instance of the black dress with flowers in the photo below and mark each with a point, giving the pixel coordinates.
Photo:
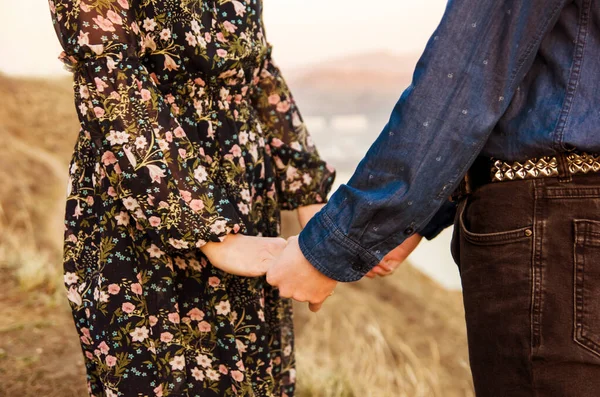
(188, 133)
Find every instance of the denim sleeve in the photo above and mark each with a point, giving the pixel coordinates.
(462, 84)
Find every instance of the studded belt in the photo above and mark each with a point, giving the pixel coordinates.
(576, 163)
(486, 170)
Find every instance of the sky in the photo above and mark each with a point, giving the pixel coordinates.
(302, 31)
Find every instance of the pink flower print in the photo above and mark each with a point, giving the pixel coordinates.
(149, 24)
(154, 221)
(276, 142)
(204, 327)
(156, 173)
(89, 355)
(104, 24)
(214, 281)
(165, 34)
(244, 209)
(231, 28)
(112, 192)
(222, 53)
(114, 289)
(174, 318)
(307, 179)
(124, 4)
(223, 369)
(253, 337)
(103, 348)
(166, 337)
(198, 374)
(196, 314)
(237, 376)
(223, 308)
(70, 278)
(136, 288)
(128, 307)
(100, 84)
(114, 17)
(153, 320)
(187, 196)
(197, 205)
(200, 174)
(212, 374)
(240, 365)
(240, 9)
(236, 151)
(240, 346)
(122, 218)
(98, 111)
(182, 153)
(178, 363)
(283, 106)
(139, 334)
(111, 361)
(74, 296)
(83, 39)
(146, 95)
(158, 391)
(274, 99)
(170, 63)
(204, 361)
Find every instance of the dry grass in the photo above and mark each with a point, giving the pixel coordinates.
(402, 336)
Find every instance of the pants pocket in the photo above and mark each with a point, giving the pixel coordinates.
(587, 284)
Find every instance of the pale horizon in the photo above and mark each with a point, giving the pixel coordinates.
(303, 32)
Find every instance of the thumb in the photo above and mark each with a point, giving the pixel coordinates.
(315, 307)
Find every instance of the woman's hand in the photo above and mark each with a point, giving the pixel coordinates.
(395, 257)
(305, 213)
(246, 256)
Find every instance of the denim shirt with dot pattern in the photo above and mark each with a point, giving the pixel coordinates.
(509, 79)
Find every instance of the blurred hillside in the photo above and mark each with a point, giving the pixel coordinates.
(368, 84)
(400, 336)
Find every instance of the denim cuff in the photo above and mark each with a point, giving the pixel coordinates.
(332, 252)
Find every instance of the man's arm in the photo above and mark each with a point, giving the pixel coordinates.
(462, 85)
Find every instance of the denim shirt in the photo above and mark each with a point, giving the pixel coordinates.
(510, 79)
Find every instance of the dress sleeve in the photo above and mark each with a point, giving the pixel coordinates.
(303, 177)
(164, 182)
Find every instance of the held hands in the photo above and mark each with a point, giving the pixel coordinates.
(296, 278)
(285, 265)
(246, 256)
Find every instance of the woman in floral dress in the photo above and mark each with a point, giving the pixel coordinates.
(190, 144)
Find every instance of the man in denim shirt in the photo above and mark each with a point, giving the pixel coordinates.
(504, 111)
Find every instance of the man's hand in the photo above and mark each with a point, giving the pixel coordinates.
(296, 278)
(395, 258)
(246, 256)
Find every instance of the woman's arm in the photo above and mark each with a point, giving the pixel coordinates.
(303, 177)
(147, 160)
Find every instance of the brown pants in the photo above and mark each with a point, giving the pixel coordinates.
(529, 258)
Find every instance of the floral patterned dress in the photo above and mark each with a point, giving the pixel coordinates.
(188, 133)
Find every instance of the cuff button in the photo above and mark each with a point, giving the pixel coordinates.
(409, 231)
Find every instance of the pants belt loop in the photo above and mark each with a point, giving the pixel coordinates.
(564, 175)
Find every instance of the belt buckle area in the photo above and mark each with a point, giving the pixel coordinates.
(463, 190)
